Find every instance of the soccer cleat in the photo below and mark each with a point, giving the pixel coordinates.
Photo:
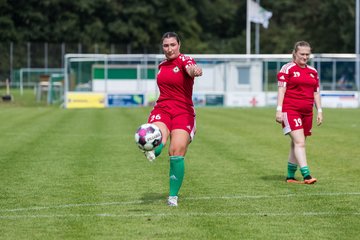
(293, 180)
(150, 155)
(310, 180)
(172, 201)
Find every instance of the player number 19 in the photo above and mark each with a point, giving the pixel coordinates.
(298, 122)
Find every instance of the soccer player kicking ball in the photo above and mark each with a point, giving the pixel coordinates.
(298, 90)
(174, 111)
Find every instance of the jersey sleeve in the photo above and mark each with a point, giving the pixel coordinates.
(187, 61)
(282, 79)
(317, 87)
(314, 74)
(283, 76)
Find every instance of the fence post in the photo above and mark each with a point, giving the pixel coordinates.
(11, 61)
(46, 55)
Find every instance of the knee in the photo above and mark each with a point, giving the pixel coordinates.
(299, 144)
(177, 150)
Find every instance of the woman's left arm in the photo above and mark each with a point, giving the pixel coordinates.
(194, 71)
(319, 117)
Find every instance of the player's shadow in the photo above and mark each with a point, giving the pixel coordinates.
(149, 198)
(273, 178)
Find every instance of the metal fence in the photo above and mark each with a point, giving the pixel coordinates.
(17, 56)
(336, 71)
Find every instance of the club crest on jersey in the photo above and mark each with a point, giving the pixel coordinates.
(176, 69)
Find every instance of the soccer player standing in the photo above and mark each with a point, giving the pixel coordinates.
(298, 90)
(174, 111)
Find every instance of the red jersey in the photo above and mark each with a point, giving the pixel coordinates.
(174, 82)
(300, 83)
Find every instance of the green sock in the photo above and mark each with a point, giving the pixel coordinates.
(305, 171)
(158, 149)
(291, 170)
(177, 170)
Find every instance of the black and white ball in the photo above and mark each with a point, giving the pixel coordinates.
(148, 136)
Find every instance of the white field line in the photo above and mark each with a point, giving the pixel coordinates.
(188, 214)
(200, 198)
(58, 133)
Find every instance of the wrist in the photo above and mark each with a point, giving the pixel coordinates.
(279, 108)
(319, 110)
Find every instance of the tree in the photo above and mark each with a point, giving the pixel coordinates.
(328, 25)
(205, 26)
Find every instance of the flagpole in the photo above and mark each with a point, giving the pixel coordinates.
(257, 35)
(257, 38)
(248, 28)
(357, 45)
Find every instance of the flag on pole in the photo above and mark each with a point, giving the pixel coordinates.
(257, 14)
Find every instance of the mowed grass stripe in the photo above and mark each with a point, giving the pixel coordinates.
(87, 161)
(198, 198)
(37, 158)
(236, 144)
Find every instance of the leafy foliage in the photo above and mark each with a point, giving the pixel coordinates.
(217, 26)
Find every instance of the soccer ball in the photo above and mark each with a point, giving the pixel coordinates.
(148, 136)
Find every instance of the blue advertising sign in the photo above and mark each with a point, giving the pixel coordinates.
(201, 100)
(125, 100)
(214, 100)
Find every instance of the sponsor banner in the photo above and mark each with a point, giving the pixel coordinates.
(151, 99)
(338, 99)
(208, 100)
(329, 99)
(125, 100)
(245, 99)
(214, 100)
(85, 100)
(199, 100)
(271, 98)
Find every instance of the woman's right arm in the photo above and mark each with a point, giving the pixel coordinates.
(280, 99)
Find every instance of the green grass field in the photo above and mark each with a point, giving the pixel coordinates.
(77, 174)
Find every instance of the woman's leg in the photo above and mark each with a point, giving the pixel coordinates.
(298, 138)
(179, 141)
